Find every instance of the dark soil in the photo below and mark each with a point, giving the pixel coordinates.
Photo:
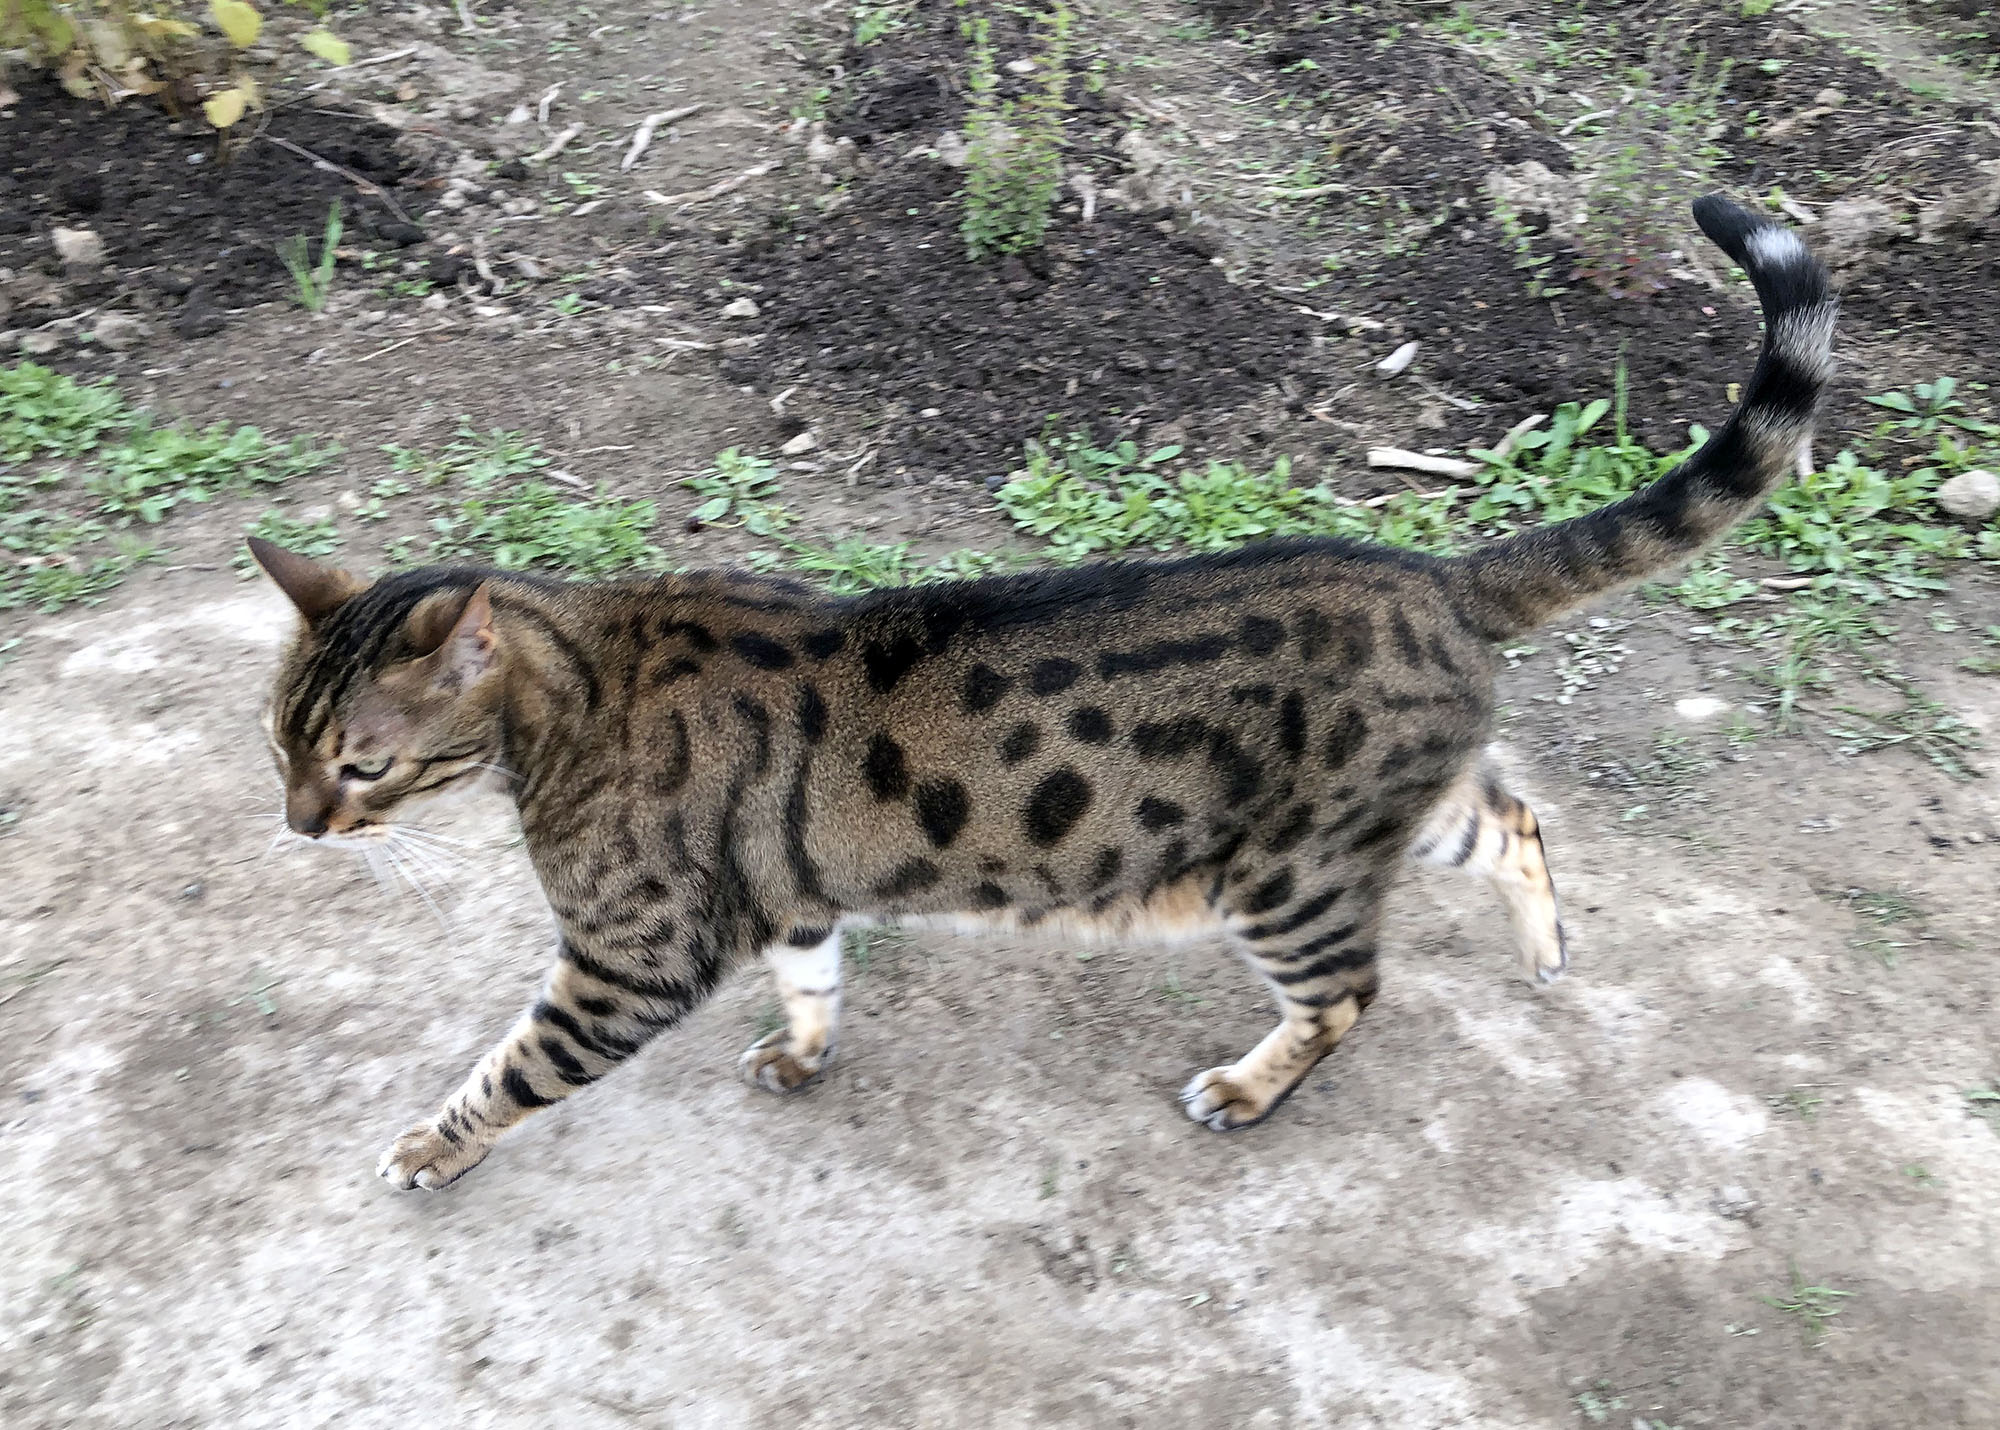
(1112, 325)
(183, 231)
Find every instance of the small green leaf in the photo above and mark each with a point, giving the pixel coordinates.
(240, 22)
(327, 46)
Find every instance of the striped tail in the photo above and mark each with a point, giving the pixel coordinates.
(1515, 585)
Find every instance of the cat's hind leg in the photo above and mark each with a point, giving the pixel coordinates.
(807, 969)
(1482, 829)
(1315, 947)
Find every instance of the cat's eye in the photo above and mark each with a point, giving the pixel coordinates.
(372, 768)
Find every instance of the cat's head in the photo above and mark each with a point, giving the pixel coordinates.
(389, 693)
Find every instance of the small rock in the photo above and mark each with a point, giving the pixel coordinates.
(799, 445)
(1699, 707)
(119, 332)
(198, 318)
(514, 208)
(740, 308)
(512, 169)
(171, 282)
(1830, 97)
(1847, 229)
(1398, 362)
(1970, 496)
(83, 193)
(1963, 210)
(444, 268)
(78, 245)
(1020, 66)
(526, 267)
(453, 199)
(397, 232)
(951, 149)
(39, 344)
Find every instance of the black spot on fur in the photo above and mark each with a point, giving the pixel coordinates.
(913, 876)
(1158, 814)
(1109, 862)
(1292, 725)
(887, 662)
(1315, 633)
(678, 668)
(1357, 641)
(1090, 724)
(941, 809)
(1346, 735)
(983, 688)
(1195, 650)
(1021, 742)
(1241, 775)
(1169, 739)
(1268, 895)
(886, 771)
(1285, 835)
(812, 714)
(761, 651)
(1057, 803)
(1258, 695)
(1053, 676)
(989, 896)
(1406, 640)
(1261, 635)
(822, 644)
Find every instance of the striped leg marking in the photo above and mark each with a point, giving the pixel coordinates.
(809, 985)
(584, 1024)
(1318, 955)
(1481, 828)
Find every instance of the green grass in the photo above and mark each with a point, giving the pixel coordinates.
(312, 280)
(1984, 1103)
(1813, 1305)
(82, 474)
(534, 525)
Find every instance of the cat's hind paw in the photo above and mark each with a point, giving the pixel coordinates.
(768, 1063)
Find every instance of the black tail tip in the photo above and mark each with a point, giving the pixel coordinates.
(1729, 225)
(1776, 258)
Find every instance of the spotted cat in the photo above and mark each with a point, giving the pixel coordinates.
(712, 766)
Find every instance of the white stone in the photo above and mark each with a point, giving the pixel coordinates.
(1970, 496)
(119, 331)
(740, 308)
(1398, 361)
(78, 245)
(800, 445)
(1700, 707)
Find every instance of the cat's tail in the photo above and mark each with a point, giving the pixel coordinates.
(1515, 585)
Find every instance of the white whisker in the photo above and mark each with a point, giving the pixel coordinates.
(414, 882)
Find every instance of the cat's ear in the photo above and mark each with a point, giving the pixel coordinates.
(467, 651)
(315, 589)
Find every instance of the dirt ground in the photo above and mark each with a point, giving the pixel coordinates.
(1496, 1206)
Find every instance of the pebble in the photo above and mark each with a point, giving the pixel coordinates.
(39, 344)
(1699, 707)
(1970, 496)
(119, 331)
(799, 445)
(1398, 361)
(78, 245)
(740, 308)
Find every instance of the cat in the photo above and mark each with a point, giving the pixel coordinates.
(1246, 745)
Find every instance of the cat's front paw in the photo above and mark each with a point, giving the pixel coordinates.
(425, 1157)
(1219, 1102)
(770, 1064)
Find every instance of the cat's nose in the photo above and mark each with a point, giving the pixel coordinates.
(307, 814)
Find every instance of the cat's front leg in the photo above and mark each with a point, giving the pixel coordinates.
(592, 1015)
